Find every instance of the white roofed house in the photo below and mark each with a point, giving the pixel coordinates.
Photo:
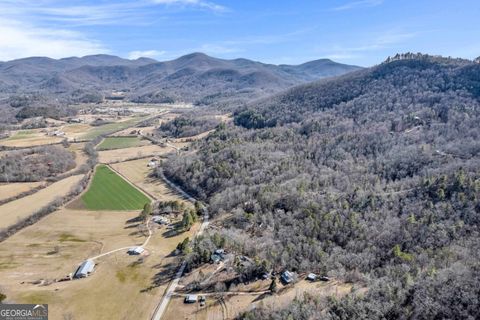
(84, 269)
(312, 277)
(135, 251)
(286, 277)
(191, 298)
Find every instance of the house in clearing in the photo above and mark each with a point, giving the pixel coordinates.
(135, 251)
(191, 298)
(312, 277)
(84, 269)
(286, 277)
(160, 220)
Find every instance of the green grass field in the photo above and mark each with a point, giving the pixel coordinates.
(111, 143)
(20, 135)
(109, 128)
(109, 191)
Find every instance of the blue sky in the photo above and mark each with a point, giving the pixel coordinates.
(362, 32)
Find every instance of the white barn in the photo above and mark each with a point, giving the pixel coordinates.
(84, 269)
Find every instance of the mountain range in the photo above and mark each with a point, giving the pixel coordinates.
(194, 78)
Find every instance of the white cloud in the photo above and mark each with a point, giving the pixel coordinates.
(197, 3)
(146, 54)
(358, 4)
(19, 40)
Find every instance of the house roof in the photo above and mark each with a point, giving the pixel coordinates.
(191, 297)
(136, 249)
(85, 268)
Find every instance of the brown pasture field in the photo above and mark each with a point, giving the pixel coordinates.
(119, 288)
(34, 138)
(233, 305)
(8, 190)
(75, 131)
(13, 211)
(138, 173)
(109, 156)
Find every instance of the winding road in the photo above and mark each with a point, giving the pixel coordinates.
(162, 306)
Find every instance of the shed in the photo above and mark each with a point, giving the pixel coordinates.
(135, 251)
(286, 277)
(312, 277)
(191, 298)
(84, 269)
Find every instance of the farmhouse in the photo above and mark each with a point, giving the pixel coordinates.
(286, 277)
(191, 298)
(135, 251)
(84, 269)
(160, 220)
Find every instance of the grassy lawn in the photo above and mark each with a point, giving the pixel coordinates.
(109, 191)
(20, 135)
(110, 143)
(109, 128)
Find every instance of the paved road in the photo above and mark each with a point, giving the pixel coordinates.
(162, 306)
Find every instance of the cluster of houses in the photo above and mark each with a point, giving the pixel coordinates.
(288, 277)
(56, 133)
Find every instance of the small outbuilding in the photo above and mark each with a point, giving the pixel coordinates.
(135, 251)
(85, 269)
(191, 298)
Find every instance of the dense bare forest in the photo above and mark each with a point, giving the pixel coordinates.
(188, 125)
(372, 177)
(35, 164)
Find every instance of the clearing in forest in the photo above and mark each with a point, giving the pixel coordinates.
(109, 191)
(111, 143)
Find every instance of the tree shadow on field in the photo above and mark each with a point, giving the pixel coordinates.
(163, 277)
(130, 226)
(261, 297)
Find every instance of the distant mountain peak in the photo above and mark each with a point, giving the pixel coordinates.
(477, 60)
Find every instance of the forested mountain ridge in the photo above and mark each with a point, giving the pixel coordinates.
(194, 78)
(371, 177)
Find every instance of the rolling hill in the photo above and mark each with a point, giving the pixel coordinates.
(371, 177)
(194, 78)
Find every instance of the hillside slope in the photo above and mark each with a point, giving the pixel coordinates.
(371, 177)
